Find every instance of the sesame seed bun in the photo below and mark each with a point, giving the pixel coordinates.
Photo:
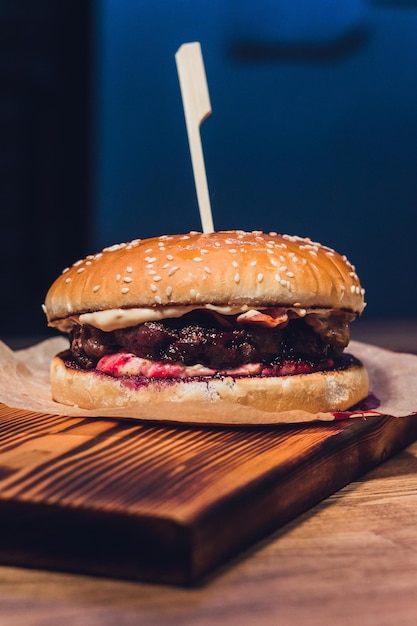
(318, 392)
(232, 268)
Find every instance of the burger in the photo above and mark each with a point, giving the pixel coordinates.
(248, 317)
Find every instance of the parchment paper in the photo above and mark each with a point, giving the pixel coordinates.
(24, 376)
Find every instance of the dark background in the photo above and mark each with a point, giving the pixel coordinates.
(45, 146)
(313, 132)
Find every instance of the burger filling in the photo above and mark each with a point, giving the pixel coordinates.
(205, 343)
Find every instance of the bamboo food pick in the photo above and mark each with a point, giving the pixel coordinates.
(197, 108)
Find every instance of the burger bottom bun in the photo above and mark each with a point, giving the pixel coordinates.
(318, 392)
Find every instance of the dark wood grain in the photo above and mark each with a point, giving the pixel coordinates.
(167, 503)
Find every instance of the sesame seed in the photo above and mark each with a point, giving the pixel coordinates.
(118, 277)
(166, 265)
(277, 278)
(153, 287)
(290, 274)
(235, 264)
(148, 250)
(260, 277)
(252, 263)
(158, 299)
(207, 269)
(170, 257)
(150, 259)
(68, 280)
(232, 250)
(152, 272)
(274, 262)
(197, 258)
(65, 270)
(156, 278)
(168, 291)
(127, 279)
(124, 289)
(173, 270)
(313, 252)
(229, 241)
(353, 288)
(237, 277)
(283, 268)
(217, 244)
(96, 288)
(77, 263)
(116, 246)
(88, 262)
(129, 269)
(149, 266)
(269, 251)
(193, 293)
(283, 282)
(80, 270)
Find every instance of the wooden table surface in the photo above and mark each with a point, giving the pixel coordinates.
(352, 559)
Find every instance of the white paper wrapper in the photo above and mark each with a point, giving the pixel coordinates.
(25, 385)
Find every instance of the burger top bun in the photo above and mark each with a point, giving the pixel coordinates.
(230, 268)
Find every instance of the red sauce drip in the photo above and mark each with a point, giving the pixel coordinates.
(366, 407)
(288, 368)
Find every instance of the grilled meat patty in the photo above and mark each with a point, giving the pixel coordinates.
(200, 337)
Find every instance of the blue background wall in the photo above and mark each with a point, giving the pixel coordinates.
(313, 130)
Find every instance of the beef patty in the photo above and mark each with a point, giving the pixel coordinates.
(200, 337)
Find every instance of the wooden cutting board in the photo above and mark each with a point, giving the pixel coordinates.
(167, 503)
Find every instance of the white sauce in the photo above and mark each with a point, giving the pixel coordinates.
(123, 318)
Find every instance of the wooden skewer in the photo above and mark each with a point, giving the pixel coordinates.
(197, 108)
